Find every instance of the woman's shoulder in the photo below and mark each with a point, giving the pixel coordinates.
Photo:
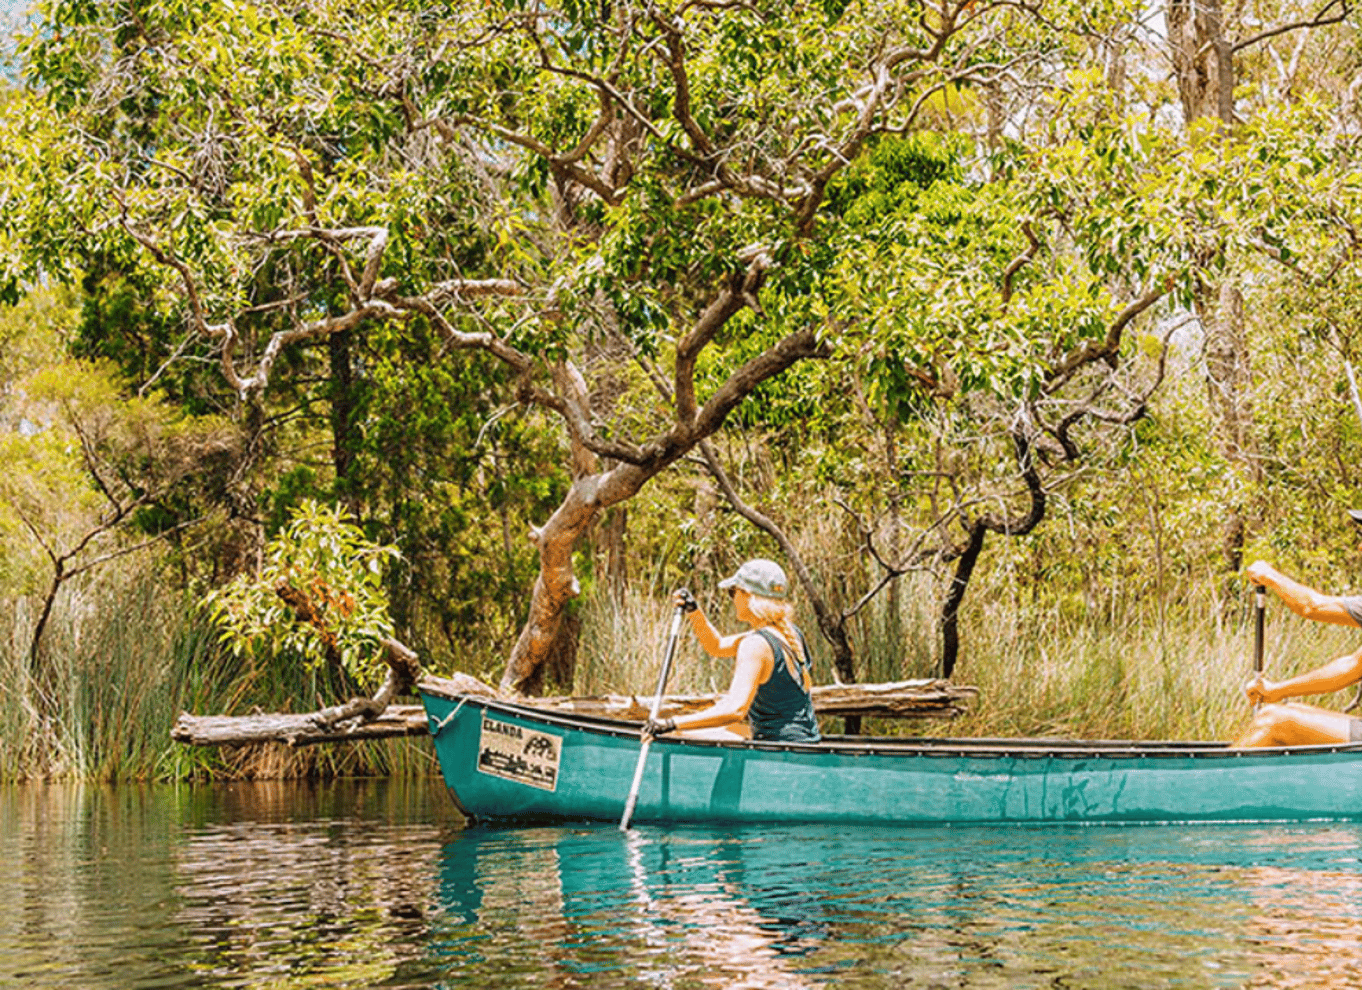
(769, 637)
(759, 641)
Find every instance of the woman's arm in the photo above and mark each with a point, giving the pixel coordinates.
(1333, 676)
(710, 639)
(1301, 599)
(752, 668)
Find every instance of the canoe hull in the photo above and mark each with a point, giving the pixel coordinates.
(507, 761)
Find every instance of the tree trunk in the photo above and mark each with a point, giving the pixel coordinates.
(1229, 383)
(554, 588)
(541, 639)
(614, 537)
(343, 413)
(950, 609)
(1203, 60)
(969, 555)
(593, 490)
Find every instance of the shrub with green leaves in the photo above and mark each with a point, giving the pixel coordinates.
(319, 595)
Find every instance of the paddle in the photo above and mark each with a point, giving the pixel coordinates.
(1259, 608)
(682, 609)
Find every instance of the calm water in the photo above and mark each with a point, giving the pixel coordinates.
(375, 885)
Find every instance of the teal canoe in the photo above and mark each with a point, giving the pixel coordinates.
(508, 761)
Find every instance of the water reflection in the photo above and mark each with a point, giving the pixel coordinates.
(280, 886)
(812, 906)
(374, 885)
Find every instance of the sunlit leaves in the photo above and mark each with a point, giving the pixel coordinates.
(318, 594)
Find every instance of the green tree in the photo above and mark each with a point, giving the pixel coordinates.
(86, 474)
(528, 182)
(319, 595)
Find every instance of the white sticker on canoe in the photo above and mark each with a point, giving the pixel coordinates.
(516, 753)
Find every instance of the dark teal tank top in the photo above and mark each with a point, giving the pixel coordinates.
(782, 710)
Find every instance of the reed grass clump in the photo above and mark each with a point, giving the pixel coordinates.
(1138, 670)
(122, 656)
(623, 641)
(125, 653)
(1129, 669)
(98, 698)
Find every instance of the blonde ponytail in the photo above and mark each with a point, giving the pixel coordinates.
(779, 616)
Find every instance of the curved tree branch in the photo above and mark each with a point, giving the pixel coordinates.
(1107, 348)
(1321, 18)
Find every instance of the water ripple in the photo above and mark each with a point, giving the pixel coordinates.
(373, 885)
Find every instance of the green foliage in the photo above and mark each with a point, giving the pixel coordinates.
(318, 595)
(31, 333)
(989, 230)
(88, 470)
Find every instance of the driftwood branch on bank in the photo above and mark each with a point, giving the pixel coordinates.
(898, 699)
(358, 719)
(294, 730)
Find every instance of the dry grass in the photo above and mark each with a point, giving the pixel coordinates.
(123, 656)
(1130, 671)
(624, 641)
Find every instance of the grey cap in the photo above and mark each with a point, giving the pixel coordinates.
(1357, 515)
(760, 577)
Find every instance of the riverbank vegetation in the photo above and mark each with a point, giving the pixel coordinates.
(1014, 331)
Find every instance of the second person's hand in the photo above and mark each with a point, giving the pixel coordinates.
(1261, 691)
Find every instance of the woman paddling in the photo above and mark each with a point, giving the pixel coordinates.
(1292, 723)
(768, 697)
(1282, 723)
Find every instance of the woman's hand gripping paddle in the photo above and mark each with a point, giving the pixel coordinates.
(1259, 608)
(686, 604)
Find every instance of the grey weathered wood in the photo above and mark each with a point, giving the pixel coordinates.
(360, 718)
(295, 730)
(897, 699)
(900, 699)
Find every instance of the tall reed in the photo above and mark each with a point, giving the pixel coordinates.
(126, 653)
(1134, 668)
(123, 655)
(624, 639)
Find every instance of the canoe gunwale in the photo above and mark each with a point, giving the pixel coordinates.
(980, 748)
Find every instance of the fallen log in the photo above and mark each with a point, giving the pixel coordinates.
(356, 720)
(896, 699)
(295, 730)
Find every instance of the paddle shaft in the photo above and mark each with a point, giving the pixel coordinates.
(652, 716)
(1259, 609)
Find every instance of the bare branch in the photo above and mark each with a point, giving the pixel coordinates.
(681, 108)
(48, 549)
(603, 120)
(570, 405)
(740, 292)
(796, 347)
(1019, 262)
(1035, 510)
(125, 551)
(88, 455)
(472, 288)
(727, 304)
(488, 342)
(1321, 18)
(569, 165)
